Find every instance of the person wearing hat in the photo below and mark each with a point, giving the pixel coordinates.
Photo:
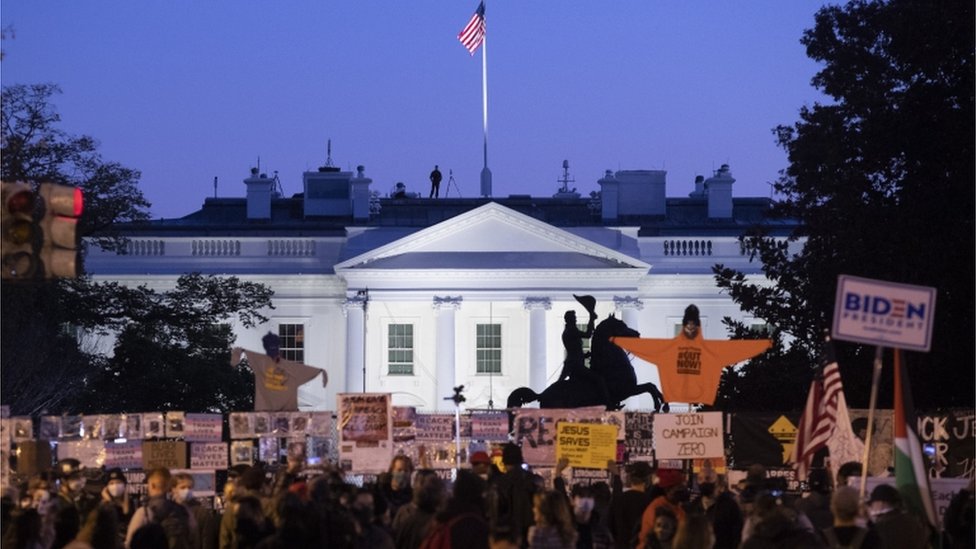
(894, 526)
(672, 481)
(481, 465)
(116, 494)
(845, 505)
(73, 502)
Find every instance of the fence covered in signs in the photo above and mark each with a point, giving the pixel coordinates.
(366, 431)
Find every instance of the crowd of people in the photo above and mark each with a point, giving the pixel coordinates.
(506, 507)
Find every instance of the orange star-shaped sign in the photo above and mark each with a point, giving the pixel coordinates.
(690, 368)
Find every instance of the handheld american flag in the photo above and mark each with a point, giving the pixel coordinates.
(473, 34)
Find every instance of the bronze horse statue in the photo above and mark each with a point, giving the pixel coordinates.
(608, 361)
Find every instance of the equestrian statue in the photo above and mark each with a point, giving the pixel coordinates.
(608, 381)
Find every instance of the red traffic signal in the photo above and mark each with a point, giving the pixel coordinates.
(62, 205)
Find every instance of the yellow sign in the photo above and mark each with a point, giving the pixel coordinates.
(589, 445)
(784, 431)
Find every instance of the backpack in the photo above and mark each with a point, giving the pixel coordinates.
(175, 520)
(833, 543)
(440, 537)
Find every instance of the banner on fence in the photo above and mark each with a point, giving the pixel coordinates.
(365, 432)
(688, 436)
(535, 431)
(589, 445)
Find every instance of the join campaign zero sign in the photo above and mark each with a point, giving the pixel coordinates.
(688, 436)
(886, 314)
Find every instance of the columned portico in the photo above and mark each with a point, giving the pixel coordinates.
(445, 359)
(355, 309)
(537, 307)
(629, 309)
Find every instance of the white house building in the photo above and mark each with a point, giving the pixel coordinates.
(414, 296)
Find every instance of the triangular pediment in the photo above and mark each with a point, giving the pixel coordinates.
(492, 237)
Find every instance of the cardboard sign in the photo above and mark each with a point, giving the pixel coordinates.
(589, 445)
(886, 314)
(33, 456)
(535, 431)
(688, 436)
(639, 438)
(435, 427)
(208, 455)
(365, 432)
(163, 453)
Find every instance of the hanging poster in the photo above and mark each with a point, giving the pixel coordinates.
(113, 427)
(319, 450)
(764, 438)
(950, 440)
(535, 431)
(269, 450)
(124, 455)
(490, 426)
(296, 450)
(203, 427)
(71, 427)
(153, 425)
(262, 424)
(435, 427)
(23, 428)
(299, 423)
(241, 425)
(133, 426)
(208, 455)
(280, 424)
(241, 452)
(91, 426)
(404, 424)
(365, 432)
(50, 428)
(175, 424)
(319, 424)
(589, 445)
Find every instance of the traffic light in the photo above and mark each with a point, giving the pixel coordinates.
(61, 207)
(18, 259)
(39, 231)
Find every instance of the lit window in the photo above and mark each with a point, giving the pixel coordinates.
(399, 354)
(489, 349)
(292, 342)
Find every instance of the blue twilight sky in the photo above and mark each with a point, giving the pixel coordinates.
(189, 90)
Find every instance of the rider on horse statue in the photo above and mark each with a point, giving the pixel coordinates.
(574, 367)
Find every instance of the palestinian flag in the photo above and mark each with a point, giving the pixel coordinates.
(911, 473)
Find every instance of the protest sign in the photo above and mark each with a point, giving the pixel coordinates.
(241, 425)
(203, 427)
(535, 431)
(208, 455)
(589, 445)
(688, 436)
(365, 432)
(435, 427)
(639, 435)
(163, 453)
(123, 455)
(490, 426)
(886, 314)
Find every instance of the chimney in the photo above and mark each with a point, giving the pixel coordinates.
(699, 191)
(719, 191)
(633, 192)
(258, 195)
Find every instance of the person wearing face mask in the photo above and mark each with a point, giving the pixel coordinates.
(203, 522)
(116, 494)
(369, 535)
(591, 532)
(394, 485)
(720, 508)
(894, 526)
(73, 502)
(481, 465)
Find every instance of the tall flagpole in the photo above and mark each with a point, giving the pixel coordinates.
(485, 172)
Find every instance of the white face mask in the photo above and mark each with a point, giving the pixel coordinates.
(116, 489)
(76, 485)
(181, 495)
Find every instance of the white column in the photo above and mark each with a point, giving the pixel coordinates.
(537, 307)
(629, 309)
(355, 309)
(445, 359)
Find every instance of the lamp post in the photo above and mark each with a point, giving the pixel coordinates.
(364, 296)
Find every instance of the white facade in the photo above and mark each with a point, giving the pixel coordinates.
(353, 290)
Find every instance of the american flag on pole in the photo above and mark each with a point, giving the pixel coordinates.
(825, 421)
(473, 34)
